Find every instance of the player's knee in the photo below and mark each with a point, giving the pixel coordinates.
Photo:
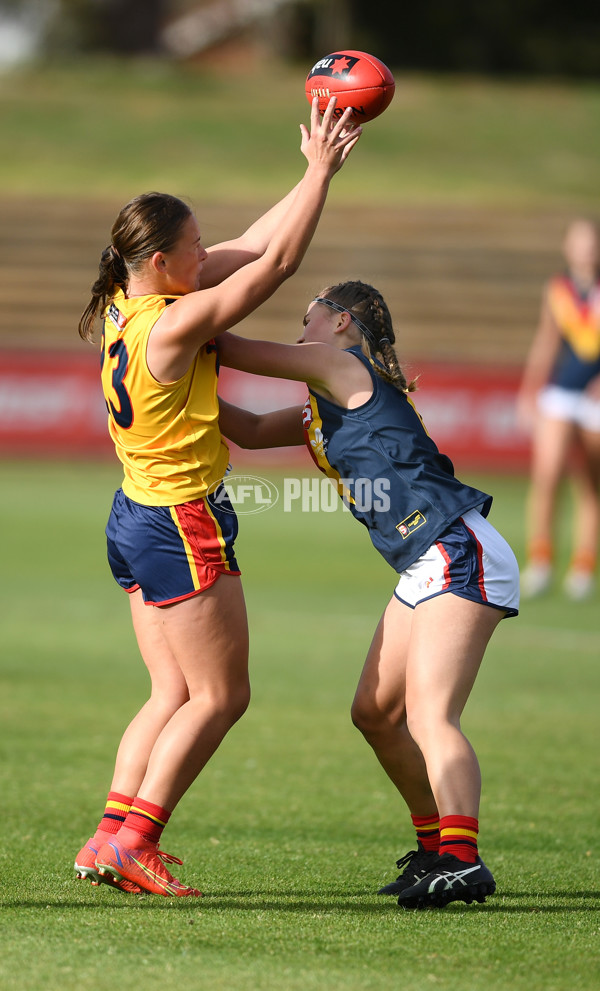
(240, 702)
(367, 716)
(414, 726)
(224, 704)
(425, 723)
(169, 700)
(232, 704)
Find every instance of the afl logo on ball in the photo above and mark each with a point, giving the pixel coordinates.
(333, 65)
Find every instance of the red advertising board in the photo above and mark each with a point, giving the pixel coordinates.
(51, 405)
(470, 411)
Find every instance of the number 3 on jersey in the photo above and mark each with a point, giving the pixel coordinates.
(123, 414)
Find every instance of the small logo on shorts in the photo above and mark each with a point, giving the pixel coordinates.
(243, 495)
(410, 524)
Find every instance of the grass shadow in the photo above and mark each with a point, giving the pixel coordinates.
(509, 903)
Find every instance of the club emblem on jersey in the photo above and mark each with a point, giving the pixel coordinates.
(318, 442)
(307, 415)
(410, 524)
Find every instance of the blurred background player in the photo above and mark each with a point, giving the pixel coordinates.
(457, 576)
(164, 297)
(560, 402)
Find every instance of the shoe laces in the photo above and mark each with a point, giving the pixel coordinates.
(407, 858)
(168, 858)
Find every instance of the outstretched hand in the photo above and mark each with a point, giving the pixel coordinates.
(329, 141)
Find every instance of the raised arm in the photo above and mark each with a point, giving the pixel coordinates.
(199, 316)
(227, 257)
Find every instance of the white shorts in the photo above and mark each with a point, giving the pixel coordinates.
(470, 559)
(570, 405)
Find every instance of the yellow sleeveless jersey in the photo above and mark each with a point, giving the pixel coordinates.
(577, 317)
(166, 436)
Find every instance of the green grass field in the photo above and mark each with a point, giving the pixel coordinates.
(111, 129)
(292, 827)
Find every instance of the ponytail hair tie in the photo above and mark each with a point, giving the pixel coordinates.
(114, 257)
(110, 254)
(384, 340)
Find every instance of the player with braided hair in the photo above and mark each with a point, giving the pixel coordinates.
(457, 577)
(363, 301)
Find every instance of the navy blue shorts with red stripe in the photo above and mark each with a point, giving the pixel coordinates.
(470, 559)
(171, 552)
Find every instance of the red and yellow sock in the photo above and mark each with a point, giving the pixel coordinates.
(458, 836)
(428, 831)
(115, 813)
(144, 824)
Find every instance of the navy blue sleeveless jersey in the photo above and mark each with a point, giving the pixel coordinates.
(388, 470)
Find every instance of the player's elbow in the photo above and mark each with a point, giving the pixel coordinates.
(283, 264)
(285, 269)
(290, 266)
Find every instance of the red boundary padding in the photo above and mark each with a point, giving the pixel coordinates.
(51, 405)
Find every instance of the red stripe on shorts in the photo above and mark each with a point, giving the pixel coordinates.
(480, 575)
(205, 540)
(445, 555)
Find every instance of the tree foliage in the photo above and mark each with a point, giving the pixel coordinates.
(495, 37)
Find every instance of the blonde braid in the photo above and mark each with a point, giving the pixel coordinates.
(370, 311)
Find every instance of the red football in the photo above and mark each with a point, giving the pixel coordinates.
(358, 80)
